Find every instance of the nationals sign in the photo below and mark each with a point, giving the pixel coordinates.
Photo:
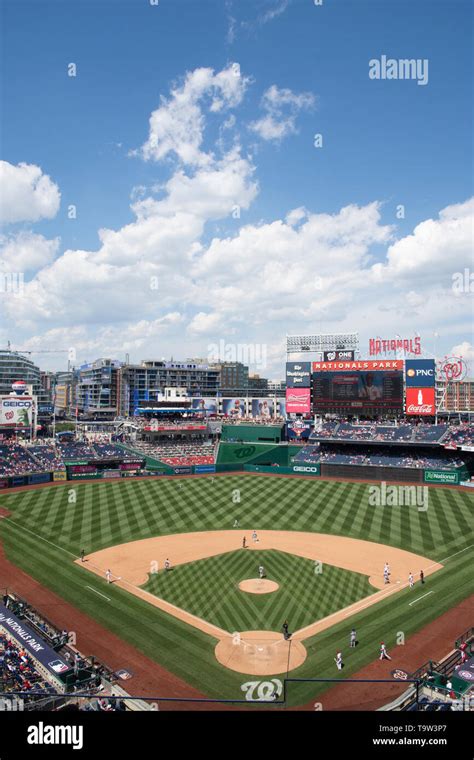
(379, 346)
(420, 401)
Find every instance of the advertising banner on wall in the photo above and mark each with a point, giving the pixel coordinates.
(207, 405)
(298, 400)
(420, 401)
(234, 407)
(298, 430)
(282, 407)
(35, 646)
(359, 365)
(263, 407)
(59, 475)
(441, 476)
(16, 411)
(420, 373)
(298, 374)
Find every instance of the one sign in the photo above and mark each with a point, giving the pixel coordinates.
(298, 374)
(420, 401)
(420, 373)
(379, 346)
(298, 400)
(59, 475)
(338, 356)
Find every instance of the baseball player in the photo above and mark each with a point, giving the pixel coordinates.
(261, 571)
(108, 576)
(254, 537)
(384, 655)
(82, 555)
(338, 659)
(167, 564)
(386, 573)
(285, 630)
(422, 577)
(353, 638)
(411, 580)
(244, 543)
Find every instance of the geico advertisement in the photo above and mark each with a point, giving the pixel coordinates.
(16, 411)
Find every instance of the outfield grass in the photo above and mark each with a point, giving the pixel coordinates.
(48, 529)
(209, 589)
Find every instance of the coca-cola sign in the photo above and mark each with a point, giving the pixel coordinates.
(420, 401)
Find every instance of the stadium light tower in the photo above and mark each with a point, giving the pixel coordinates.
(297, 344)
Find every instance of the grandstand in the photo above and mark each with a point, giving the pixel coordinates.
(37, 660)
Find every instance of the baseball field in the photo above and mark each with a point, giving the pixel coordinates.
(210, 619)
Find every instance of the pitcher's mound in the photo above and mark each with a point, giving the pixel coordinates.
(258, 586)
(260, 653)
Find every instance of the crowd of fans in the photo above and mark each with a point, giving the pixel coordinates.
(19, 673)
(393, 457)
(182, 453)
(405, 432)
(15, 460)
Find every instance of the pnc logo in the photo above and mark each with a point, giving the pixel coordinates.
(411, 373)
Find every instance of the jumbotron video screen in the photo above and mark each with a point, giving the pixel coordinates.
(341, 391)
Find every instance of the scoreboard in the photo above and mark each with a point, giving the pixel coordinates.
(354, 388)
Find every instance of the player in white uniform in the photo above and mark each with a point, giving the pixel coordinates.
(353, 638)
(411, 580)
(167, 564)
(254, 536)
(108, 575)
(338, 659)
(384, 655)
(261, 571)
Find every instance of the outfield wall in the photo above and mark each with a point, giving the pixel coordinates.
(253, 433)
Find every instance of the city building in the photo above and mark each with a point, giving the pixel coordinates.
(233, 376)
(455, 396)
(257, 383)
(96, 389)
(15, 366)
(143, 385)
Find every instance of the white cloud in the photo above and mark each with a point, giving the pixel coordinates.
(27, 194)
(177, 126)
(437, 247)
(281, 107)
(26, 251)
(464, 349)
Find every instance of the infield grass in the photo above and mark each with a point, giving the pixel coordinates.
(48, 528)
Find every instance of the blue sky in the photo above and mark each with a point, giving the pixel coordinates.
(384, 142)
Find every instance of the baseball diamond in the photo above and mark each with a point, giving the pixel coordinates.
(321, 542)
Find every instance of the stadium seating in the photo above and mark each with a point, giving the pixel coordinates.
(178, 453)
(15, 460)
